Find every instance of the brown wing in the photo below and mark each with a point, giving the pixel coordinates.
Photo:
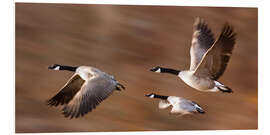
(202, 40)
(67, 92)
(217, 57)
(92, 93)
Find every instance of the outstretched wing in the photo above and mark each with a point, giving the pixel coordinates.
(215, 61)
(92, 93)
(67, 92)
(202, 40)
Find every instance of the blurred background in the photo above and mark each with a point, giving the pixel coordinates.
(126, 41)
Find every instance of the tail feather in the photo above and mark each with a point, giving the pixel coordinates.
(199, 109)
(225, 89)
(119, 87)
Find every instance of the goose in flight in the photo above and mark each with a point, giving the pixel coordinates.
(209, 58)
(84, 90)
(180, 106)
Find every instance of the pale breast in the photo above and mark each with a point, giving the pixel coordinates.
(199, 83)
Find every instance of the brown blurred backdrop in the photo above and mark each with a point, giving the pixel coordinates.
(126, 41)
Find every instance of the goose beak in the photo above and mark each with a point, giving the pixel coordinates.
(51, 67)
(155, 69)
(148, 95)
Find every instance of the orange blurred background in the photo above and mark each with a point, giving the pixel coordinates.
(126, 41)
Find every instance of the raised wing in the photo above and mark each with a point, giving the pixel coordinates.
(67, 92)
(91, 94)
(202, 40)
(215, 61)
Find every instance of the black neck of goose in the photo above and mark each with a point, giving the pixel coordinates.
(161, 97)
(69, 68)
(169, 70)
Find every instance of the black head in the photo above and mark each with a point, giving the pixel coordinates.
(156, 69)
(151, 95)
(54, 67)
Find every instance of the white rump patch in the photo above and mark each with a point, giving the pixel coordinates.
(197, 106)
(218, 83)
(152, 96)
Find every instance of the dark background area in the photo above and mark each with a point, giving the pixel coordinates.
(126, 41)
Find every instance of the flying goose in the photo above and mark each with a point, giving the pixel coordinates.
(180, 106)
(84, 90)
(209, 58)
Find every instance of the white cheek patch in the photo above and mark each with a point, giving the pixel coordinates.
(179, 74)
(152, 96)
(158, 71)
(218, 83)
(57, 68)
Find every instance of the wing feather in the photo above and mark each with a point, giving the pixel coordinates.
(215, 61)
(202, 40)
(67, 92)
(91, 95)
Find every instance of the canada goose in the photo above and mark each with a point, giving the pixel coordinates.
(209, 58)
(180, 106)
(84, 90)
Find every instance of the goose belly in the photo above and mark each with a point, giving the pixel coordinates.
(199, 83)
